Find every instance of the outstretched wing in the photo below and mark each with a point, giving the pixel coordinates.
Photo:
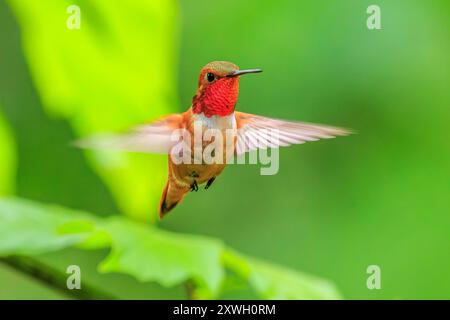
(156, 137)
(258, 132)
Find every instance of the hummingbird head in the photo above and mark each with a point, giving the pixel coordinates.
(218, 88)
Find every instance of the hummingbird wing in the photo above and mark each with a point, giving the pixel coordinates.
(258, 132)
(157, 137)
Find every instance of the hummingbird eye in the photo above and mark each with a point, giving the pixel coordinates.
(210, 76)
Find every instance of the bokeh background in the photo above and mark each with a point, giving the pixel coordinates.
(335, 207)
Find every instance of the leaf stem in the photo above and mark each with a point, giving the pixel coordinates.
(190, 290)
(54, 278)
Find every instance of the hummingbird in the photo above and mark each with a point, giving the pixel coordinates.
(213, 107)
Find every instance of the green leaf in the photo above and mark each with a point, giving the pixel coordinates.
(7, 158)
(168, 258)
(95, 238)
(274, 282)
(27, 228)
(150, 254)
(116, 71)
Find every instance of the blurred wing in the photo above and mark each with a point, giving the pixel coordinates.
(257, 132)
(157, 137)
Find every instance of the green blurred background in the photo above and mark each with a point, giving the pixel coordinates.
(335, 207)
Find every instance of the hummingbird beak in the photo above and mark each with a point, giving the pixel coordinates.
(241, 72)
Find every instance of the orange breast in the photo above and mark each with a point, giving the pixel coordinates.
(213, 156)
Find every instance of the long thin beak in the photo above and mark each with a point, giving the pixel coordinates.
(241, 72)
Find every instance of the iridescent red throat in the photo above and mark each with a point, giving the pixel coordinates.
(218, 98)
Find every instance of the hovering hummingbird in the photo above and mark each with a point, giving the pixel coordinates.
(213, 107)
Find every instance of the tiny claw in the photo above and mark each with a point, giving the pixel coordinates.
(194, 186)
(209, 183)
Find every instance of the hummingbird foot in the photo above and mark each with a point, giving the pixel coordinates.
(209, 183)
(194, 186)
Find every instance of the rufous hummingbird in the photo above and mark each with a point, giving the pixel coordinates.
(213, 107)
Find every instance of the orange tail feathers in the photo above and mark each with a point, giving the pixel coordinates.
(172, 195)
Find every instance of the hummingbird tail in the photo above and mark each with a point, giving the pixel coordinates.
(172, 195)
